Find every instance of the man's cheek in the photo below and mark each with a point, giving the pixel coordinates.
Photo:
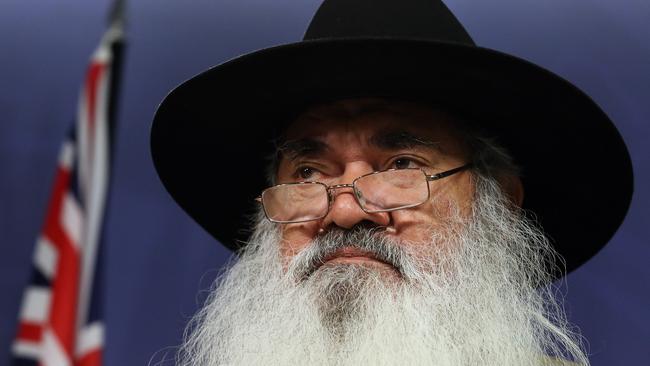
(423, 215)
(418, 224)
(295, 237)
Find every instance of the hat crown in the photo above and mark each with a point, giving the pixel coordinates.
(404, 19)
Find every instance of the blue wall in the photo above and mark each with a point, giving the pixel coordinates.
(158, 260)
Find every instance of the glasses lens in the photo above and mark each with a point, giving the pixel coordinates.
(392, 189)
(295, 202)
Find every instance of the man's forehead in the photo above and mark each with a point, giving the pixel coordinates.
(386, 139)
(375, 119)
(381, 123)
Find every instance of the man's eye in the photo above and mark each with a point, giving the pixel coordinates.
(306, 172)
(404, 163)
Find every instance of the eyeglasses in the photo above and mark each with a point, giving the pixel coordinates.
(382, 191)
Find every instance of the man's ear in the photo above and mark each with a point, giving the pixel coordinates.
(513, 188)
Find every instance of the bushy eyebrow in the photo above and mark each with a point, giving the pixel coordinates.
(294, 149)
(401, 139)
(386, 140)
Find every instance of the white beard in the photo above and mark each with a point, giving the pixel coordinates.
(480, 303)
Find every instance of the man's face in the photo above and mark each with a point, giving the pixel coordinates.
(338, 142)
(453, 281)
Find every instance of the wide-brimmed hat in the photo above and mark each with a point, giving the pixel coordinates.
(212, 135)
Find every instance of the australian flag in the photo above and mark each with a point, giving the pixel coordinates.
(61, 321)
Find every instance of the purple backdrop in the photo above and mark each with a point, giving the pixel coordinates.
(159, 261)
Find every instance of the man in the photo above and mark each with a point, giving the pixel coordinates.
(420, 196)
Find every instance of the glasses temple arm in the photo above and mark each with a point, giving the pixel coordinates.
(448, 172)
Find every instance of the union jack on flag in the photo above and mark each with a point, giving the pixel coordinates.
(60, 321)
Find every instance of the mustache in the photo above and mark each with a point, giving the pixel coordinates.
(365, 238)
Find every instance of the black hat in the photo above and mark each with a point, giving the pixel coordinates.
(212, 134)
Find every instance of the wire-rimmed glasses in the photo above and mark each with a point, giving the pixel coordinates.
(381, 191)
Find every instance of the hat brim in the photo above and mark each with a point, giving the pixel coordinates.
(212, 134)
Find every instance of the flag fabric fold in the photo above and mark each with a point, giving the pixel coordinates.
(60, 321)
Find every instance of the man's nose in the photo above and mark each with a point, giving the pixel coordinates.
(345, 211)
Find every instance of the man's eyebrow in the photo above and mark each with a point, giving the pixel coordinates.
(400, 139)
(293, 149)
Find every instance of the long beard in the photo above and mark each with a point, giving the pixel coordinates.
(474, 294)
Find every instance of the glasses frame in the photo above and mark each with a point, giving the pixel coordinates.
(330, 188)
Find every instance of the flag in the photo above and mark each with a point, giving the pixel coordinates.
(60, 321)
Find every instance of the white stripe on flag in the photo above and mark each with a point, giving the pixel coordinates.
(53, 353)
(45, 257)
(36, 306)
(82, 143)
(66, 155)
(31, 350)
(97, 174)
(72, 219)
(90, 338)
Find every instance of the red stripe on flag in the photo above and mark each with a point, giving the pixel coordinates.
(30, 331)
(95, 71)
(93, 358)
(66, 279)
